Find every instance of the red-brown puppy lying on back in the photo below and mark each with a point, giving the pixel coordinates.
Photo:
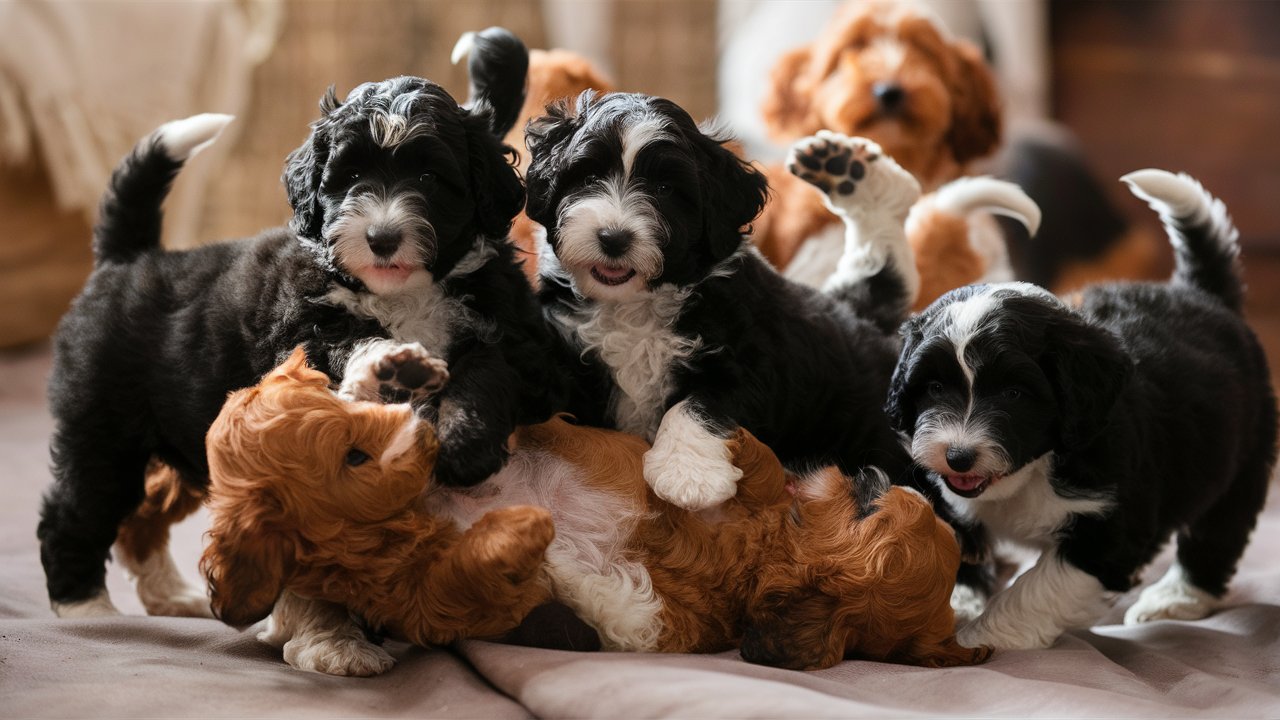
(334, 500)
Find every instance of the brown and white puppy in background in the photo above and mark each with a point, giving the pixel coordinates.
(336, 500)
(890, 73)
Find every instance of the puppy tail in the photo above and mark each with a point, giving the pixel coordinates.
(129, 218)
(966, 195)
(1205, 241)
(498, 66)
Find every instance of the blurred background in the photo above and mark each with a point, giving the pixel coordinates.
(1190, 85)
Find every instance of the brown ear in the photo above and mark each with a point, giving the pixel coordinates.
(246, 566)
(295, 368)
(788, 112)
(975, 110)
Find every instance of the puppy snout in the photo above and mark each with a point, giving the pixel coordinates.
(890, 96)
(383, 241)
(961, 459)
(614, 242)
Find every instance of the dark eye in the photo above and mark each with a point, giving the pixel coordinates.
(934, 388)
(663, 190)
(356, 458)
(353, 177)
(591, 179)
(1011, 393)
(426, 179)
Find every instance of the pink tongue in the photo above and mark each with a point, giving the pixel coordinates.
(612, 273)
(965, 482)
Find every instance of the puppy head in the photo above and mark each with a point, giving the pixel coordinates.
(396, 183)
(992, 377)
(633, 195)
(849, 587)
(293, 470)
(890, 74)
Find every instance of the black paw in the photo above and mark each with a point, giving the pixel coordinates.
(468, 464)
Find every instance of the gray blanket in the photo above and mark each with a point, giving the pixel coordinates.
(134, 666)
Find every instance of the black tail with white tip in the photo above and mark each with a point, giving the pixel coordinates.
(130, 216)
(497, 68)
(1205, 241)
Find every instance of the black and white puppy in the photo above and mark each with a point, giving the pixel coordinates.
(401, 201)
(685, 333)
(1092, 434)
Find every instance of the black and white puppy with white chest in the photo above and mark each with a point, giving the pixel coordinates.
(396, 256)
(1092, 434)
(683, 331)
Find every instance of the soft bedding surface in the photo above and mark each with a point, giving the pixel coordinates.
(134, 666)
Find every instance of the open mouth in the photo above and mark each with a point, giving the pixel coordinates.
(606, 275)
(969, 485)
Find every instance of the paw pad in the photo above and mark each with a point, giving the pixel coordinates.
(409, 373)
(832, 163)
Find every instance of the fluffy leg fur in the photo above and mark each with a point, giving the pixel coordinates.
(320, 637)
(142, 547)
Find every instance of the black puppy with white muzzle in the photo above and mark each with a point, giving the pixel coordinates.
(684, 331)
(1092, 434)
(397, 249)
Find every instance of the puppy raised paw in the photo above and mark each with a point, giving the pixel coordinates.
(391, 372)
(853, 174)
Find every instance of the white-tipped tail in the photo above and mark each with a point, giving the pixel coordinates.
(462, 48)
(970, 194)
(1175, 196)
(183, 138)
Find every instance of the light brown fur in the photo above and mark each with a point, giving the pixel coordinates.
(798, 576)
(167, 502)
(952, 117)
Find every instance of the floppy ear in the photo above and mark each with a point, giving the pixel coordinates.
(787, 110)
(1087, 368)
(975, 106)
(735, 193)
(246, 564)
(901, 414)
(303, 170)
(792, 629)
(295, 369)
(542, 136)
(495, 185)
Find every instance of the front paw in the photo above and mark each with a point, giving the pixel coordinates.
(977, 634)
(512, 542)
(689, 466)
(852, 173)
(337, 654)
(393, 372)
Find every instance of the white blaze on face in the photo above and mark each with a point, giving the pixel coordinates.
(403, 213)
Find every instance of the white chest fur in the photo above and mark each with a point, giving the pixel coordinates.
(421, 312)
(638, 342)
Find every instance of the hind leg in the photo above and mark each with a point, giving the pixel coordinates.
(1208, 551)
(90, 496)
(142, 546)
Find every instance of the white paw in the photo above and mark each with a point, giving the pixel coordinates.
(976, 634)
(688, 466)
(97, 606)
(967, 603)
(337, 655)
(162, 589)
(853, 174)
(1173, 597)
(388, 371)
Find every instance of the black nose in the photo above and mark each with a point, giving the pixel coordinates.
(890, 95)
(383, 241)
(961, 459)
(614, 241)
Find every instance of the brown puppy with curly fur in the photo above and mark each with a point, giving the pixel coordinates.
(326, 498)
(318, 496)
(889, 73)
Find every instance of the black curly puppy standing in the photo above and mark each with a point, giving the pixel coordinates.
(401, 201)
(1093, 434)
